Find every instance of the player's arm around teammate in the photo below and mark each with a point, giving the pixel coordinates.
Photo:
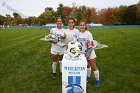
(83, 37)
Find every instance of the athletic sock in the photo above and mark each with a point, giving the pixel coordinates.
(96, 73)
(88, 72)
(54, 65)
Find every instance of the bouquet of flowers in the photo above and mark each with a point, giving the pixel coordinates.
(49, 37)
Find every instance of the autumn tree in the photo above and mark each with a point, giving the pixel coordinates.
(100, 18)
(66, 14)
(92, 16)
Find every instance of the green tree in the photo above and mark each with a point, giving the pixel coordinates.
(81, 13)
(8, 20)
(130, 14)
(17, 19)
(32, 20)
(120, 14)
(2, 20)
(138, 13)
(46, 17)
(16, 15)
(59, 11)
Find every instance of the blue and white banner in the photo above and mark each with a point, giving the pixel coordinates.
(74, 74)
(74, 80)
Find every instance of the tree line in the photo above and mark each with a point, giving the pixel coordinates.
(108, 16)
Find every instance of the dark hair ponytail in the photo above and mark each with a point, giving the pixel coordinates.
(73, 20)
(85, 24)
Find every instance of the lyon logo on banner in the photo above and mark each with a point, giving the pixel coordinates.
(74, 73)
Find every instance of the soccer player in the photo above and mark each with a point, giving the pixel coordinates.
(57, 51)
(85, 36)
(72, 33)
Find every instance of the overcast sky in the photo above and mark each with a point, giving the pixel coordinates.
(36, 7)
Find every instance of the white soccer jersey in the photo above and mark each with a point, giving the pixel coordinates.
(72, 35)
(83, 37)
(57, 33)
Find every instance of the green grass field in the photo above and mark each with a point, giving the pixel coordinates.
(25, 61)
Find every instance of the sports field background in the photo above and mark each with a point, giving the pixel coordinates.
(25, 61)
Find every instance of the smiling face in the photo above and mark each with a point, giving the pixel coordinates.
(71, 24)
(59, 23)
(83, 26)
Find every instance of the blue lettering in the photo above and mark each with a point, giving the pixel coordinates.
(65, 68)
(75, 68)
